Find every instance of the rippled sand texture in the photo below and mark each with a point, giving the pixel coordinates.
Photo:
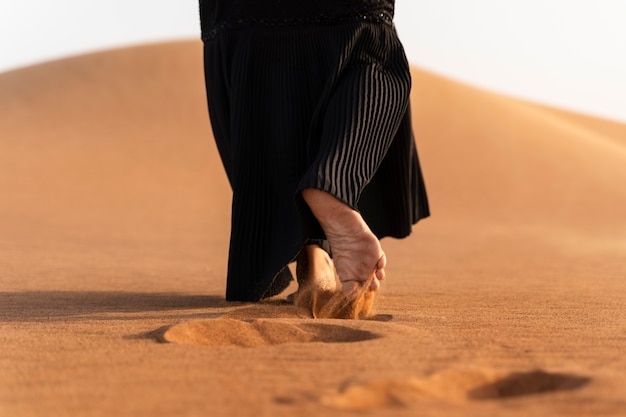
(114, 221)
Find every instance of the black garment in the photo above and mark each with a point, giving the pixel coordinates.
(307, 94)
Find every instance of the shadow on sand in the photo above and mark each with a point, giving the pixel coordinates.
(29, 306)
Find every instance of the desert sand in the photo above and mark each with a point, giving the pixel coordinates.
(114, 219)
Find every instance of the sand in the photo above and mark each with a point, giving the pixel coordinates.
(114, 218)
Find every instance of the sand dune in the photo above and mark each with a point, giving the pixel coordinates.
(114, 214)
(524, 160)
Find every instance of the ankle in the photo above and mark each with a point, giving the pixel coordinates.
(332, 213)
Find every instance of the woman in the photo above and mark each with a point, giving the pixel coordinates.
(309, 104)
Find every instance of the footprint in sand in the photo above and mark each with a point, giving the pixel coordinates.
(451, 385)
(260, 332)
(272, 324)
(528, 383)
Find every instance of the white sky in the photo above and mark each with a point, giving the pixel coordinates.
(568, 53)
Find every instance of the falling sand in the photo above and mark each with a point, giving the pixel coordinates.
(334, 304)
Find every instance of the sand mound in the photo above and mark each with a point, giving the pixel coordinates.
(90, 144)
(450, 385)
(261, 332)
(491, 158)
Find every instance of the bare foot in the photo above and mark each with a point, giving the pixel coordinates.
(320, 293)
(315, 269)
(357, 254)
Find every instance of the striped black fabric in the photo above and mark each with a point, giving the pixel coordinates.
(307, 94)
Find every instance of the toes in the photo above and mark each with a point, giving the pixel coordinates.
(380, 274)
(380, 267)
(374, 284)
(382, 262)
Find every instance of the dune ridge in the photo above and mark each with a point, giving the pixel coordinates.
(114, 220)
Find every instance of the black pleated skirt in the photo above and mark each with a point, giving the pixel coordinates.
(307, 94)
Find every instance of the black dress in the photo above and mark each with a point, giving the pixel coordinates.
(307, 94)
